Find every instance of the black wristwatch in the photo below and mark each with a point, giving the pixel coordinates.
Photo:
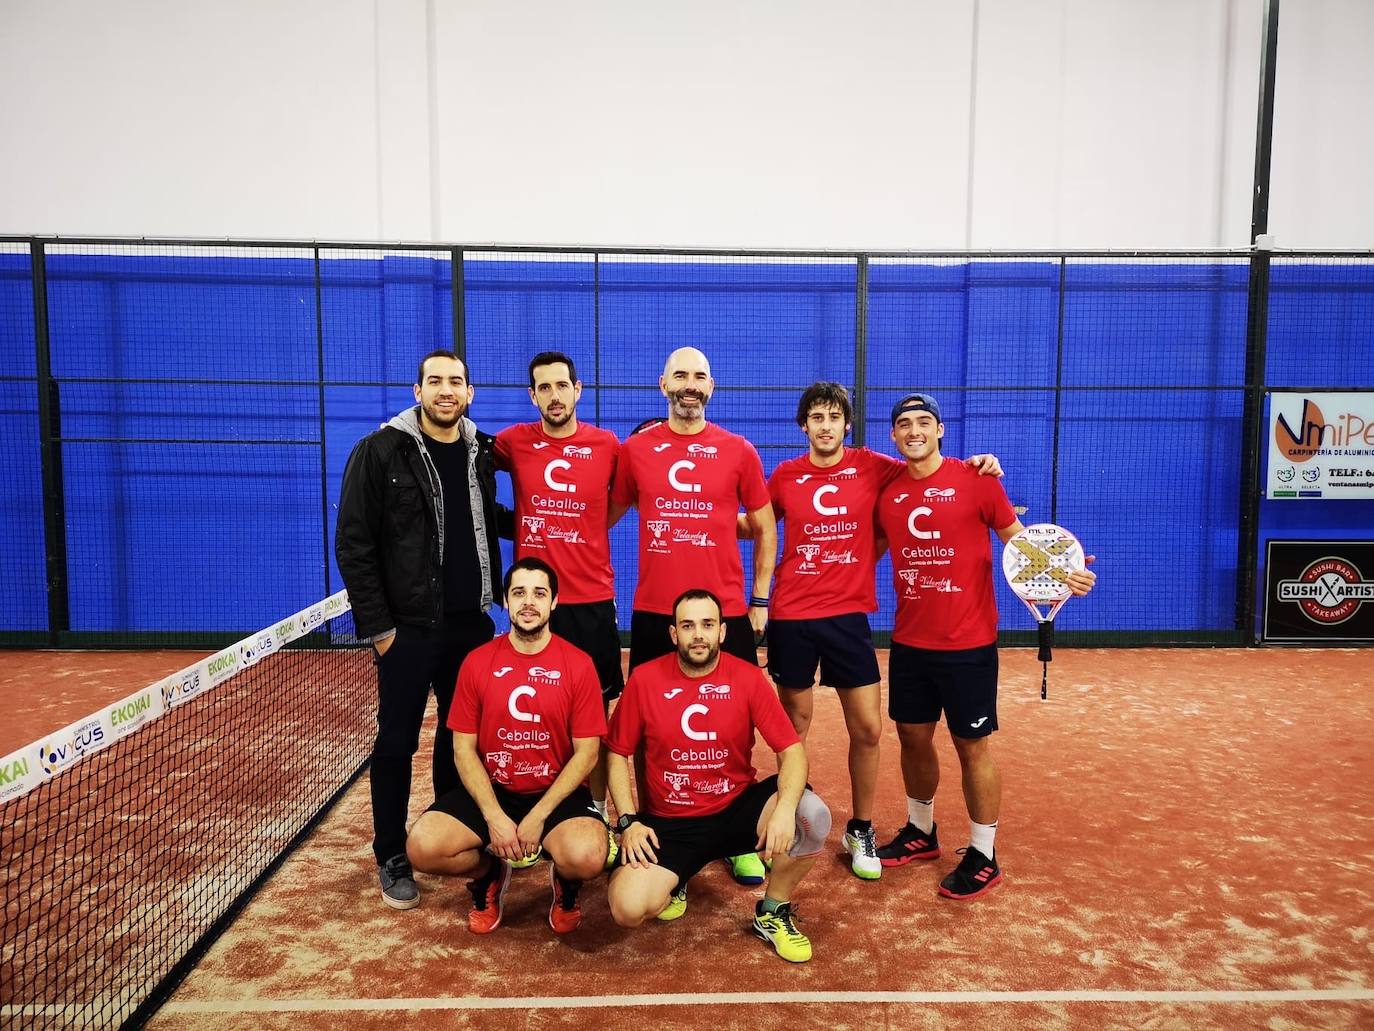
(623, 824)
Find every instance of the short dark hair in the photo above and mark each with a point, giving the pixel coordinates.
(552, 358)
(826, 395)
(537, 565)
(442, 353)
(697, 594)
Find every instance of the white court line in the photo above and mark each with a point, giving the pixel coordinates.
(765, 998)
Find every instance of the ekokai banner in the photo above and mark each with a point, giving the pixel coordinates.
(1321, 445)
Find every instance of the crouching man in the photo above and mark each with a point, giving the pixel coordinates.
(527, 724)
(694, 713)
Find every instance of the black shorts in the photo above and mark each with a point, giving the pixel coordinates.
(649, 638)
(591, 626)
(841, 645)
(459, 804)
(687, 843)
(921, 682)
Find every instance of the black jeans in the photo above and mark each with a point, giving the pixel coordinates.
(419, 658)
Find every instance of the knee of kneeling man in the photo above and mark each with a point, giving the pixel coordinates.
(813, 825)
(623, 915)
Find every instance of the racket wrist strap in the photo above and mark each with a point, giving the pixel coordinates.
(755, 602)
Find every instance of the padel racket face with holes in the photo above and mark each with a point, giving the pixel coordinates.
(1037, 563)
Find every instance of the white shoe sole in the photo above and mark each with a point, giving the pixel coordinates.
(861, 866)
(400, 903)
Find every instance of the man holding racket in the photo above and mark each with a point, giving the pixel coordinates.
(936, 518)
(824, 590)
(689, 479)
(561, 470)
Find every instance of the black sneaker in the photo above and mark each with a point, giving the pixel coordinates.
(974, 875)
(910, 844)
(399, 890)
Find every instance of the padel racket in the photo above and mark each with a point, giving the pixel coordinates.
(1037, 563)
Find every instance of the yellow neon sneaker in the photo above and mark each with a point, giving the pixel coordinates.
(747, 869)
(528, 861)
(676, 907)
(612, 849)
(779, 929)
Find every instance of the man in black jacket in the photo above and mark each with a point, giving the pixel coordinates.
(417, 546)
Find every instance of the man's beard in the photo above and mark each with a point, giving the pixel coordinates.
(444, 421)
(521, 634)
(688, 414)
(555, 421)
(685, 657)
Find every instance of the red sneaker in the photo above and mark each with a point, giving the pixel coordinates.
(564, 913)
(488, 898)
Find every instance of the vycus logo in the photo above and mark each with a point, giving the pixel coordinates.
(687, 728)
(683, 486)
(916, 531)
(822, 507)
(523, 691)
(559, 485)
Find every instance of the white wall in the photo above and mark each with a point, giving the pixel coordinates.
(879, 123)
(1322, 180)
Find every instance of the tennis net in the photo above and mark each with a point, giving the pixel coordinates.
(131, 838)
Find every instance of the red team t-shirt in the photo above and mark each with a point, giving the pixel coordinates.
(689, 489)
(937, 532)
(697, 732)
(561, 495)
(526, 709)
(826, 568)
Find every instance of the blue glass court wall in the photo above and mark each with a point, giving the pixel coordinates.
(206, 398)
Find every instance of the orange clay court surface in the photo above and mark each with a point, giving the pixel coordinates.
(1187, 838)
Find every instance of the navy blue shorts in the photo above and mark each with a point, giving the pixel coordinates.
(842, 646)
(923, 682)
(591, 626)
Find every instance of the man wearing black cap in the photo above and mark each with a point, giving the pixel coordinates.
(936, 518)
(823, 591)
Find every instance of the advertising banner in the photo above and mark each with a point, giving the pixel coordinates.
(1319, 591)
(1321, 445)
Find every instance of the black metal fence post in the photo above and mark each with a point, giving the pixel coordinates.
(50, 444)
(1256, 339)
(860, 434)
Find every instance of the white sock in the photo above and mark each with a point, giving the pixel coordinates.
(600, 806)
(921, 813)
(981, 837)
